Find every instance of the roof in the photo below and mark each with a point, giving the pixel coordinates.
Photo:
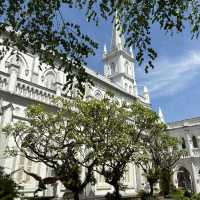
(184, 123)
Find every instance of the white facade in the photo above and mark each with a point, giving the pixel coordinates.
(187, 171)
(22, 83)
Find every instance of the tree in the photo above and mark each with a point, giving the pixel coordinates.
(97, 135)
(170, 156)
(8, 188)
(148, 157)
(79, 134)
(42, 28)
(158, 156)
(119, 143)
(55, 139)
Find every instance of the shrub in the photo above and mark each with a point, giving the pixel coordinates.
(179, 195)
(146, 196)
(196, 196)
(8, 188)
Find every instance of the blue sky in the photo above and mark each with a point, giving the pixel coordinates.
(173, 83)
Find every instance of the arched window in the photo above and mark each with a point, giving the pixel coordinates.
(130, 89)
(184, 178)
(19, 61)
(112, 67)
(127, 68)
(126, 87)
(183, 143)
(130, 71)
(26, 164)
(50, 80)
(194, 142)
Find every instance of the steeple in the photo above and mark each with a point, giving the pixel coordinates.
(117, 41)
(119, 61)
(161, 116)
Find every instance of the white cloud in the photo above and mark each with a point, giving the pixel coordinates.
(170, 76)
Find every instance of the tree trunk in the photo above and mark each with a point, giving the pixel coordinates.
(165, 181)
(151, 188)
(117, 194)
(76, 196)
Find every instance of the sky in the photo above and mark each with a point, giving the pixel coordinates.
(174, 82)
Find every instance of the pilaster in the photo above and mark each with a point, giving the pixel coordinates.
(58, 89)
(7, 113)
(14, 72)
(195, 183)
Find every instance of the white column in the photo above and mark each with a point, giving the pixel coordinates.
(58, 84)
(58, 89)
(194, 177)
(14, 71)
(6, 119)
(174, 179)
(188, 141)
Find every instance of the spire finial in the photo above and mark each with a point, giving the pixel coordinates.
(161, 116)
(146, 95)
(117, 37)
(131, 51)
(105, 49)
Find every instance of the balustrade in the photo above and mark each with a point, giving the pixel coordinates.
(196, 152)
(34, 92)
(3, 83)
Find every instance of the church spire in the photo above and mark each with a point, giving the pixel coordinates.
(117, 36)
(161, 116)
(119, 61)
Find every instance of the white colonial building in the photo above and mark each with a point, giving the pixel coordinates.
(187, 171)
(22, 83)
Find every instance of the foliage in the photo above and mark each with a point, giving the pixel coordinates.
(42, 28)
(169, 158)
(148, 158)
(179, 195)
(8, 188)
(196, 196)
(145, 195)
(99, 135)
(120, 143)
(57, 140)
(158, 156)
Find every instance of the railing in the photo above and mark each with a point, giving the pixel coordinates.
(196, 152)
(3, 82)
(185, 155)
(34, 92)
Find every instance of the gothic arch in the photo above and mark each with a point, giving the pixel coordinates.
(184, 178)
(113, 70)
(19, 60)
(127, 67)
(49, 79)
(126, 87)
(130, 89)
(194, 142)
(183, 143)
